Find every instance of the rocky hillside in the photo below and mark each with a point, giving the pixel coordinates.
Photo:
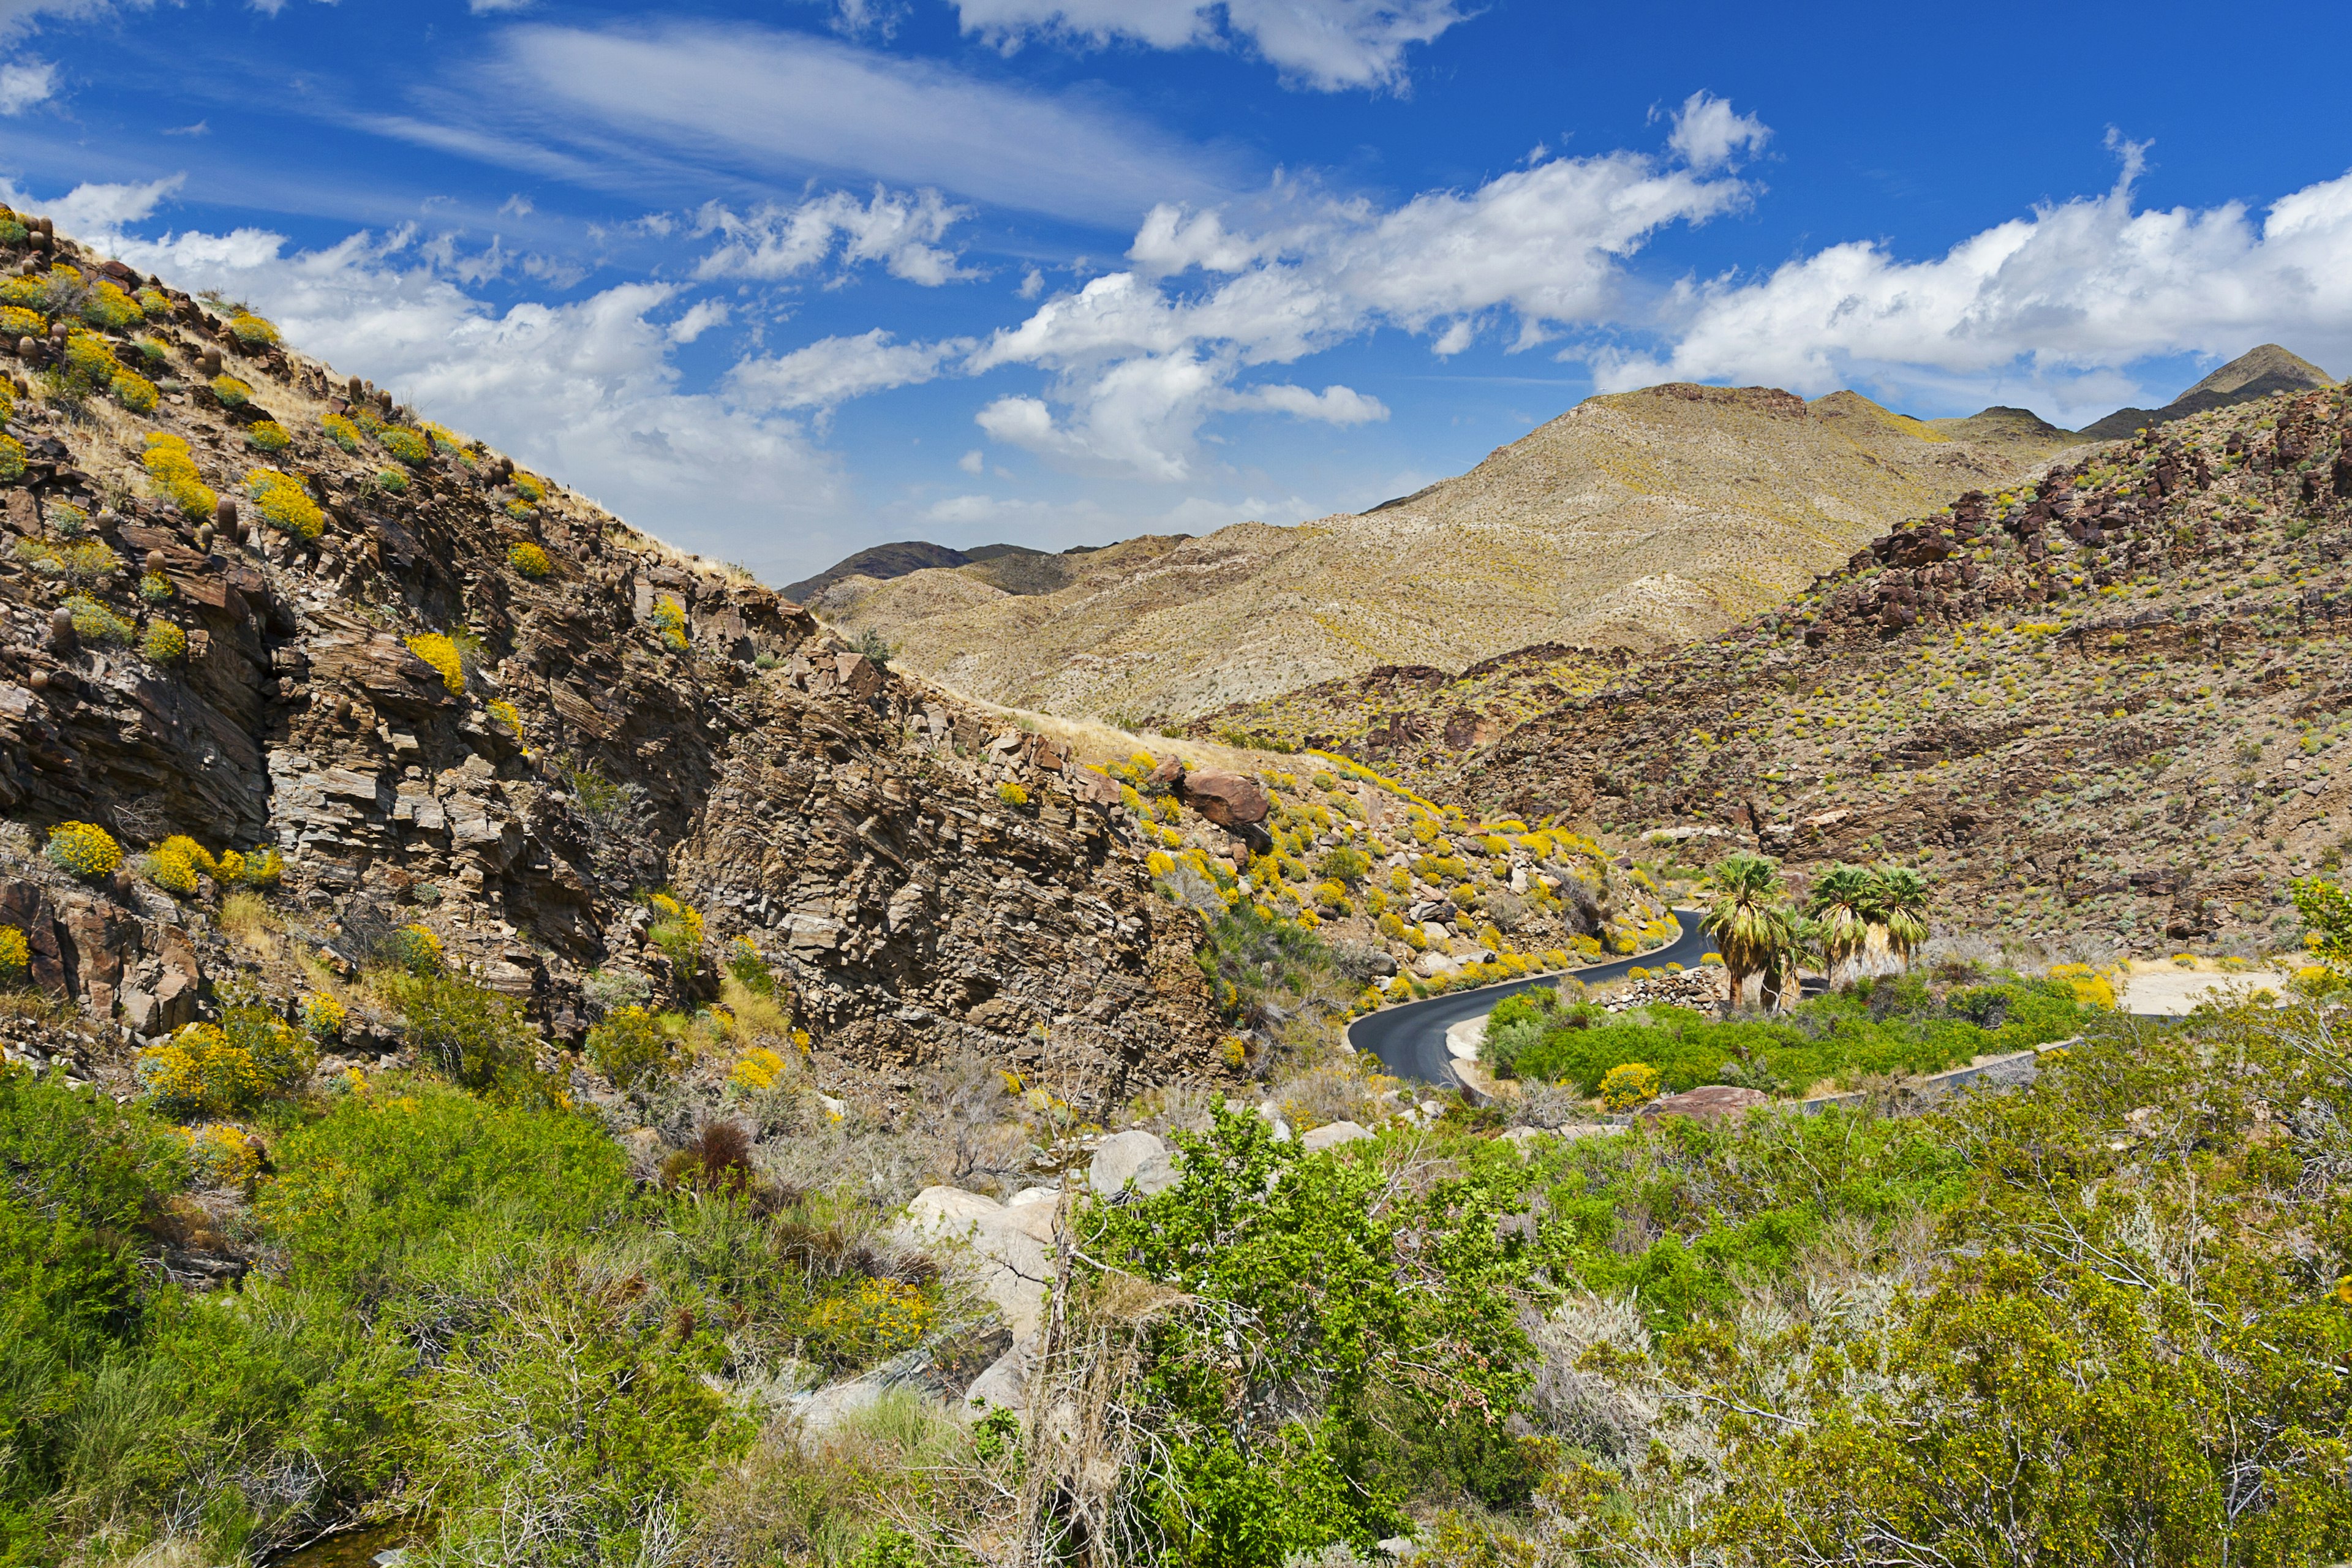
(2113, 705)
(247, 602)
(1635, 521)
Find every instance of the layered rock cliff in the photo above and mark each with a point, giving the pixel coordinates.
(184, 650)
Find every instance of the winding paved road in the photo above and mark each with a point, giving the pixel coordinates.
(1410, 1038)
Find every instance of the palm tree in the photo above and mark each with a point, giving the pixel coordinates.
(1794, 940)
(1902, 912)
(1845, 903)
(1745, 919)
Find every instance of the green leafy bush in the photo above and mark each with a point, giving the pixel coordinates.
(406, 445)
(629, 1048)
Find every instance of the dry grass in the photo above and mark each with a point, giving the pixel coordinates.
(249, 917)
(758, 1020)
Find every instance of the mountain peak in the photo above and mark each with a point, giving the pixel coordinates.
(2268, 362)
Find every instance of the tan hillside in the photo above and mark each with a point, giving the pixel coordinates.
(2258, 373)
(1635, 521)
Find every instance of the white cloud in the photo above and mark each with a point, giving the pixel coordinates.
(614, 107)
(1708, 133)
(834, 370)
(972, 462)
(584, 390)
(699, 318)
(901, 230)
(2051, 306)
(1332, 405)
(491, 7)
(26, 82)
(1141, 360)
(1324, 44)
(96, 209)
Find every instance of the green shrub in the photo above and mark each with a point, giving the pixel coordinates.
(473, 1035)
(406, 445)
(340, 431)
(1342, 865)
(413, 949)
(12, 459)
(107, 306)
(629, 1048)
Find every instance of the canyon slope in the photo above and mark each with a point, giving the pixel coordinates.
(1636, 520)
(2112, 707)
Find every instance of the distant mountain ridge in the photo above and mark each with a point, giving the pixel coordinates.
(883, 562)
(2256, 373)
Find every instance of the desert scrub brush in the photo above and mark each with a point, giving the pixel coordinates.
(669, 619)
(164, 643)
(529, 487)
(340, 431)
(76, 561)
(16, 958)
(173, 474)
(89, 363)
(94, 622)
(529, 560)
(323, 1015)
(154, 302)
(134, 391)
(108, 305)
(405, 443)
(252, 331)
(83, 850)
(233, 392)
(284, 504)
(12, 459)
(17, 322)
(441, 653)
(268, 436)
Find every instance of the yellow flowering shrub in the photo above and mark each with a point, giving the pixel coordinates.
(340, 431)
(16, 321)
(164, 643)
(2091, 987)
(678, 931)
(1011, 794)
(15, 956)
(177, 863)
(529, 560)
(323, 1015)
(870, 1321)
(1629, 1084)
(442, 654)
(11, 458)
(405, 443)
(283, 503)
(529, 487)
(108, 305)
(251, 328)
(669, 619)
(222, 1154)
(415, 949)
(233, 392)
(509, 716)
(265, 867)
(89, 363)
(267, 436)
(154, 302)
(173, 472)
(201, 1071)
(756, 1068)
(134, 391)
(83, 850)
(1159, 863)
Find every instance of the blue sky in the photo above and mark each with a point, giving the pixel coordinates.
(780, 280)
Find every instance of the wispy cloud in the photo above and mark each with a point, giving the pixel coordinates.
(638, 105)
(24, 83)
(899, 229)
(1324, 44)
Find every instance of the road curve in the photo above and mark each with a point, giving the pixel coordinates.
(1410, 1038)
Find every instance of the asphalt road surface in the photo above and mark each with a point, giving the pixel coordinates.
(1410, 1038)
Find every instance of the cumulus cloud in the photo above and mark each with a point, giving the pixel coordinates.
(2052, 305)
(24, 83)
(584, 391)
(899, 229)
(1324, 44)
(1141, 358)
(834, 370)
(1709, 133)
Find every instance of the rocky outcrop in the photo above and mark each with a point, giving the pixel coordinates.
(624, 719)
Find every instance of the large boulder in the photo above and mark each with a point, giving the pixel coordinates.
(1331, 1134)
(1009, 1251)
(1136, 1156)
(1708, 1103)
(1229, 800)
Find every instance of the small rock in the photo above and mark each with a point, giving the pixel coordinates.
(1708, 1103)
